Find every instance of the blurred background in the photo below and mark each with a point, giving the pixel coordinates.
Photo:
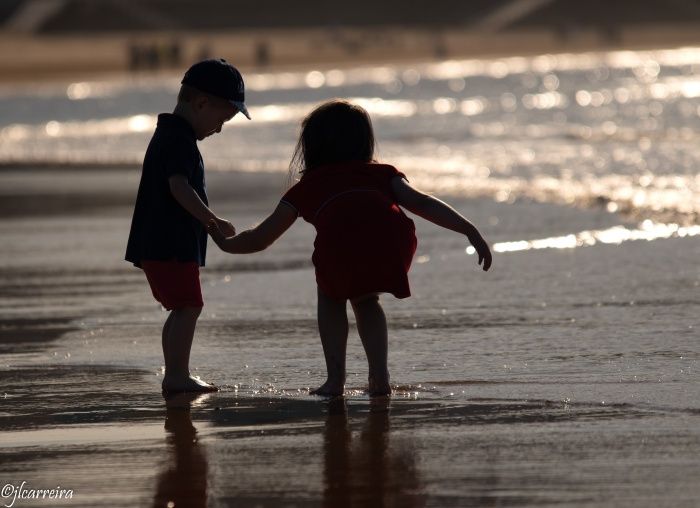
(44, 38)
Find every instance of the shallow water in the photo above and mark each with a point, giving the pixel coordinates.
(616, 129)
(276, 451)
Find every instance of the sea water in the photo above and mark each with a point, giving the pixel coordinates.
(616, 129)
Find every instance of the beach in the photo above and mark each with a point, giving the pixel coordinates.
(567, 375)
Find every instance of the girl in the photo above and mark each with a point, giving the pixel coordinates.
(364, 243)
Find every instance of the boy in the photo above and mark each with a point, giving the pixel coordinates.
(168, 237)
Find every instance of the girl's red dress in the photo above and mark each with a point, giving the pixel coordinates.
(364, 242)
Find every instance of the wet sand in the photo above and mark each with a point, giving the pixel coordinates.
(562, 378)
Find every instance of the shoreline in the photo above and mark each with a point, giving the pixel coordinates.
(29, 186)
(57, 58)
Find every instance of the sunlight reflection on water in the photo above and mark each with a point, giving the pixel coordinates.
(648, 230)
(616, 130)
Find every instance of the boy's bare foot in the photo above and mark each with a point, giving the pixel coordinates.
(329, 389)
(186, 384)
(379, 388)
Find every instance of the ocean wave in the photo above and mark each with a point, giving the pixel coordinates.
(617, 130)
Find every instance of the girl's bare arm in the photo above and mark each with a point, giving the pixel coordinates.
(258, 238)
(440, 213)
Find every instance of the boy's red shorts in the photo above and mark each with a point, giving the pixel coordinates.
(174, 284)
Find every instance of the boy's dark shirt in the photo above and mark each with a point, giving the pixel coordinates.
(161, 228)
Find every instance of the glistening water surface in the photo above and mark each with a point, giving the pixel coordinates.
(617, 129)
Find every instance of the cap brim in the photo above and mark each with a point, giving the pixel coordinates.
(241, 107)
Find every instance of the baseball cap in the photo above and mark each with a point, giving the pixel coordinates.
(217, 77)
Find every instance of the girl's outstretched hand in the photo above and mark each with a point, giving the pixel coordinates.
(483, 251)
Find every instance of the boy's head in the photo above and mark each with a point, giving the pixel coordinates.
(214, 91)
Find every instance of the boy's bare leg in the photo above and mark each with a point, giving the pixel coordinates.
(166, 331)
(371, 325)
(178, 342)
(333, 328)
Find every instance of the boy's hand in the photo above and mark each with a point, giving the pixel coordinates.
(225, 227)
(482, 249)
(215, 232)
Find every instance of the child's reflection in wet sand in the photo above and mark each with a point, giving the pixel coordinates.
(366, 469)
(184, 481)
(360, 469)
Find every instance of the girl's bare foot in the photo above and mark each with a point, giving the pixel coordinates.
(329, 389)
(379, 387)
(186, 384)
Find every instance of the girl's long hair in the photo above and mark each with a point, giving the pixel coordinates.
(336, 131)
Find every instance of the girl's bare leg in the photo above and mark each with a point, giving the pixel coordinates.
(371, 325)
(333, 328)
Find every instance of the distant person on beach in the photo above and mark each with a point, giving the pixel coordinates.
(364, 244)
(168, 239)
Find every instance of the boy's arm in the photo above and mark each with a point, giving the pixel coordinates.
(260, 237)
(440, 213)
(184, 194)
